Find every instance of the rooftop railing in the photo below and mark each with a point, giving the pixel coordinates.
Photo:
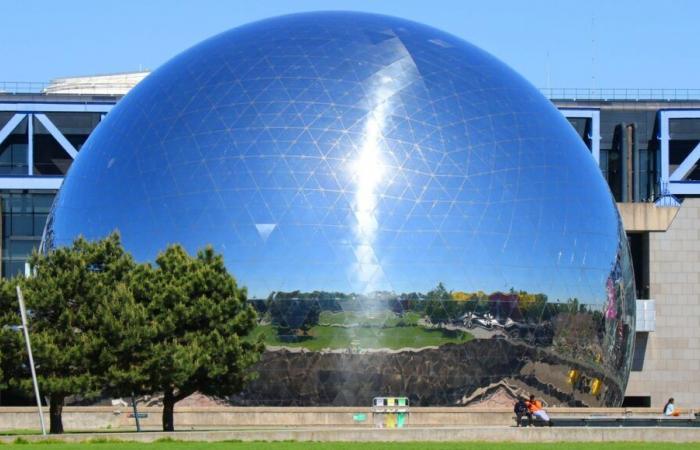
(22, 87)
(630, 94)
(604, 94)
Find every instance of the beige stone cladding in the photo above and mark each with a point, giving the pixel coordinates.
(672, 360)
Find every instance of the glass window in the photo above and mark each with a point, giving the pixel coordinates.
(50, 158)
(23, 219)
(12, 268)
(42, 202)
(20, 249)
(5, 117)
(39, 222)
(13, 151)
(22, 225)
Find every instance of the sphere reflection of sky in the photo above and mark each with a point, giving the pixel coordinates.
(351, 153)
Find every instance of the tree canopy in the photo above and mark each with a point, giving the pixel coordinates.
(11, 366)
(293, 314)
(62, 295)
(197, 316)
(102, 324)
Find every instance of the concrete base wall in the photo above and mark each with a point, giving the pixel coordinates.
(118, 418)
(461, 434)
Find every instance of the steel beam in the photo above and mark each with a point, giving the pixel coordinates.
(57, 107)
(687, 165)
(594, 116)
(56, 133)
(684, 188)
(31, 182)
(674, 182)
(30, 144)
(10, 126)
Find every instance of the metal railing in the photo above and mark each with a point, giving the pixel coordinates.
(22, 87)
(637, 94)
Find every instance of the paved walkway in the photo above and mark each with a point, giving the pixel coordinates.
(495, 433)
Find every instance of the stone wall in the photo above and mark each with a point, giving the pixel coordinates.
(451, 375)
(99, 418)
(671, 365)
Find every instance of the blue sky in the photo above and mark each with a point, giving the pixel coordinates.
(598, 44)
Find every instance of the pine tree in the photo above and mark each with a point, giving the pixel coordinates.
(62, 296)
(125, 334)
(11, 364)
(100, 324)
(197, 319)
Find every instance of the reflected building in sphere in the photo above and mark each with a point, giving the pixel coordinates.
(409, 215)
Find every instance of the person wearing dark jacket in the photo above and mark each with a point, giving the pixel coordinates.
(520, 409)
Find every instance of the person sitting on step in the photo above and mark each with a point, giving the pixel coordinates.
(537, 411)
(670, 410)
(520, 409)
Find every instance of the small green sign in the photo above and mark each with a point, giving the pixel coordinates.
(359, 417)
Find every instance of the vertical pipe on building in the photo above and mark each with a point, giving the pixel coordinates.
(620, 146)
(656, 182)
(632, 174)
(30, 144)
(595, 135)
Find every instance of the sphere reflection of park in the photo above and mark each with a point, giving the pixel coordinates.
(409, 215)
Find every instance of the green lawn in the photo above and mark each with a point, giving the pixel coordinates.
(334, 337)
(174, 445)
(378, 319)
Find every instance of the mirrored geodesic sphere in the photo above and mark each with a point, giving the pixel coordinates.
(409, 215)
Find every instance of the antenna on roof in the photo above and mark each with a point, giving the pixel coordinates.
(549, 84)
(593, 52)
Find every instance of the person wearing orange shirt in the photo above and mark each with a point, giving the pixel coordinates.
(535, 408)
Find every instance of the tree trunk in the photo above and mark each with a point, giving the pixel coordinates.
(168, 410)
(55, 412)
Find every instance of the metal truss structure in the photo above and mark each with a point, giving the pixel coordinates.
(594, 116)
(677, 182)
(38, 111)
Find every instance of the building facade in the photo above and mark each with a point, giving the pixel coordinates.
(647, 150)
